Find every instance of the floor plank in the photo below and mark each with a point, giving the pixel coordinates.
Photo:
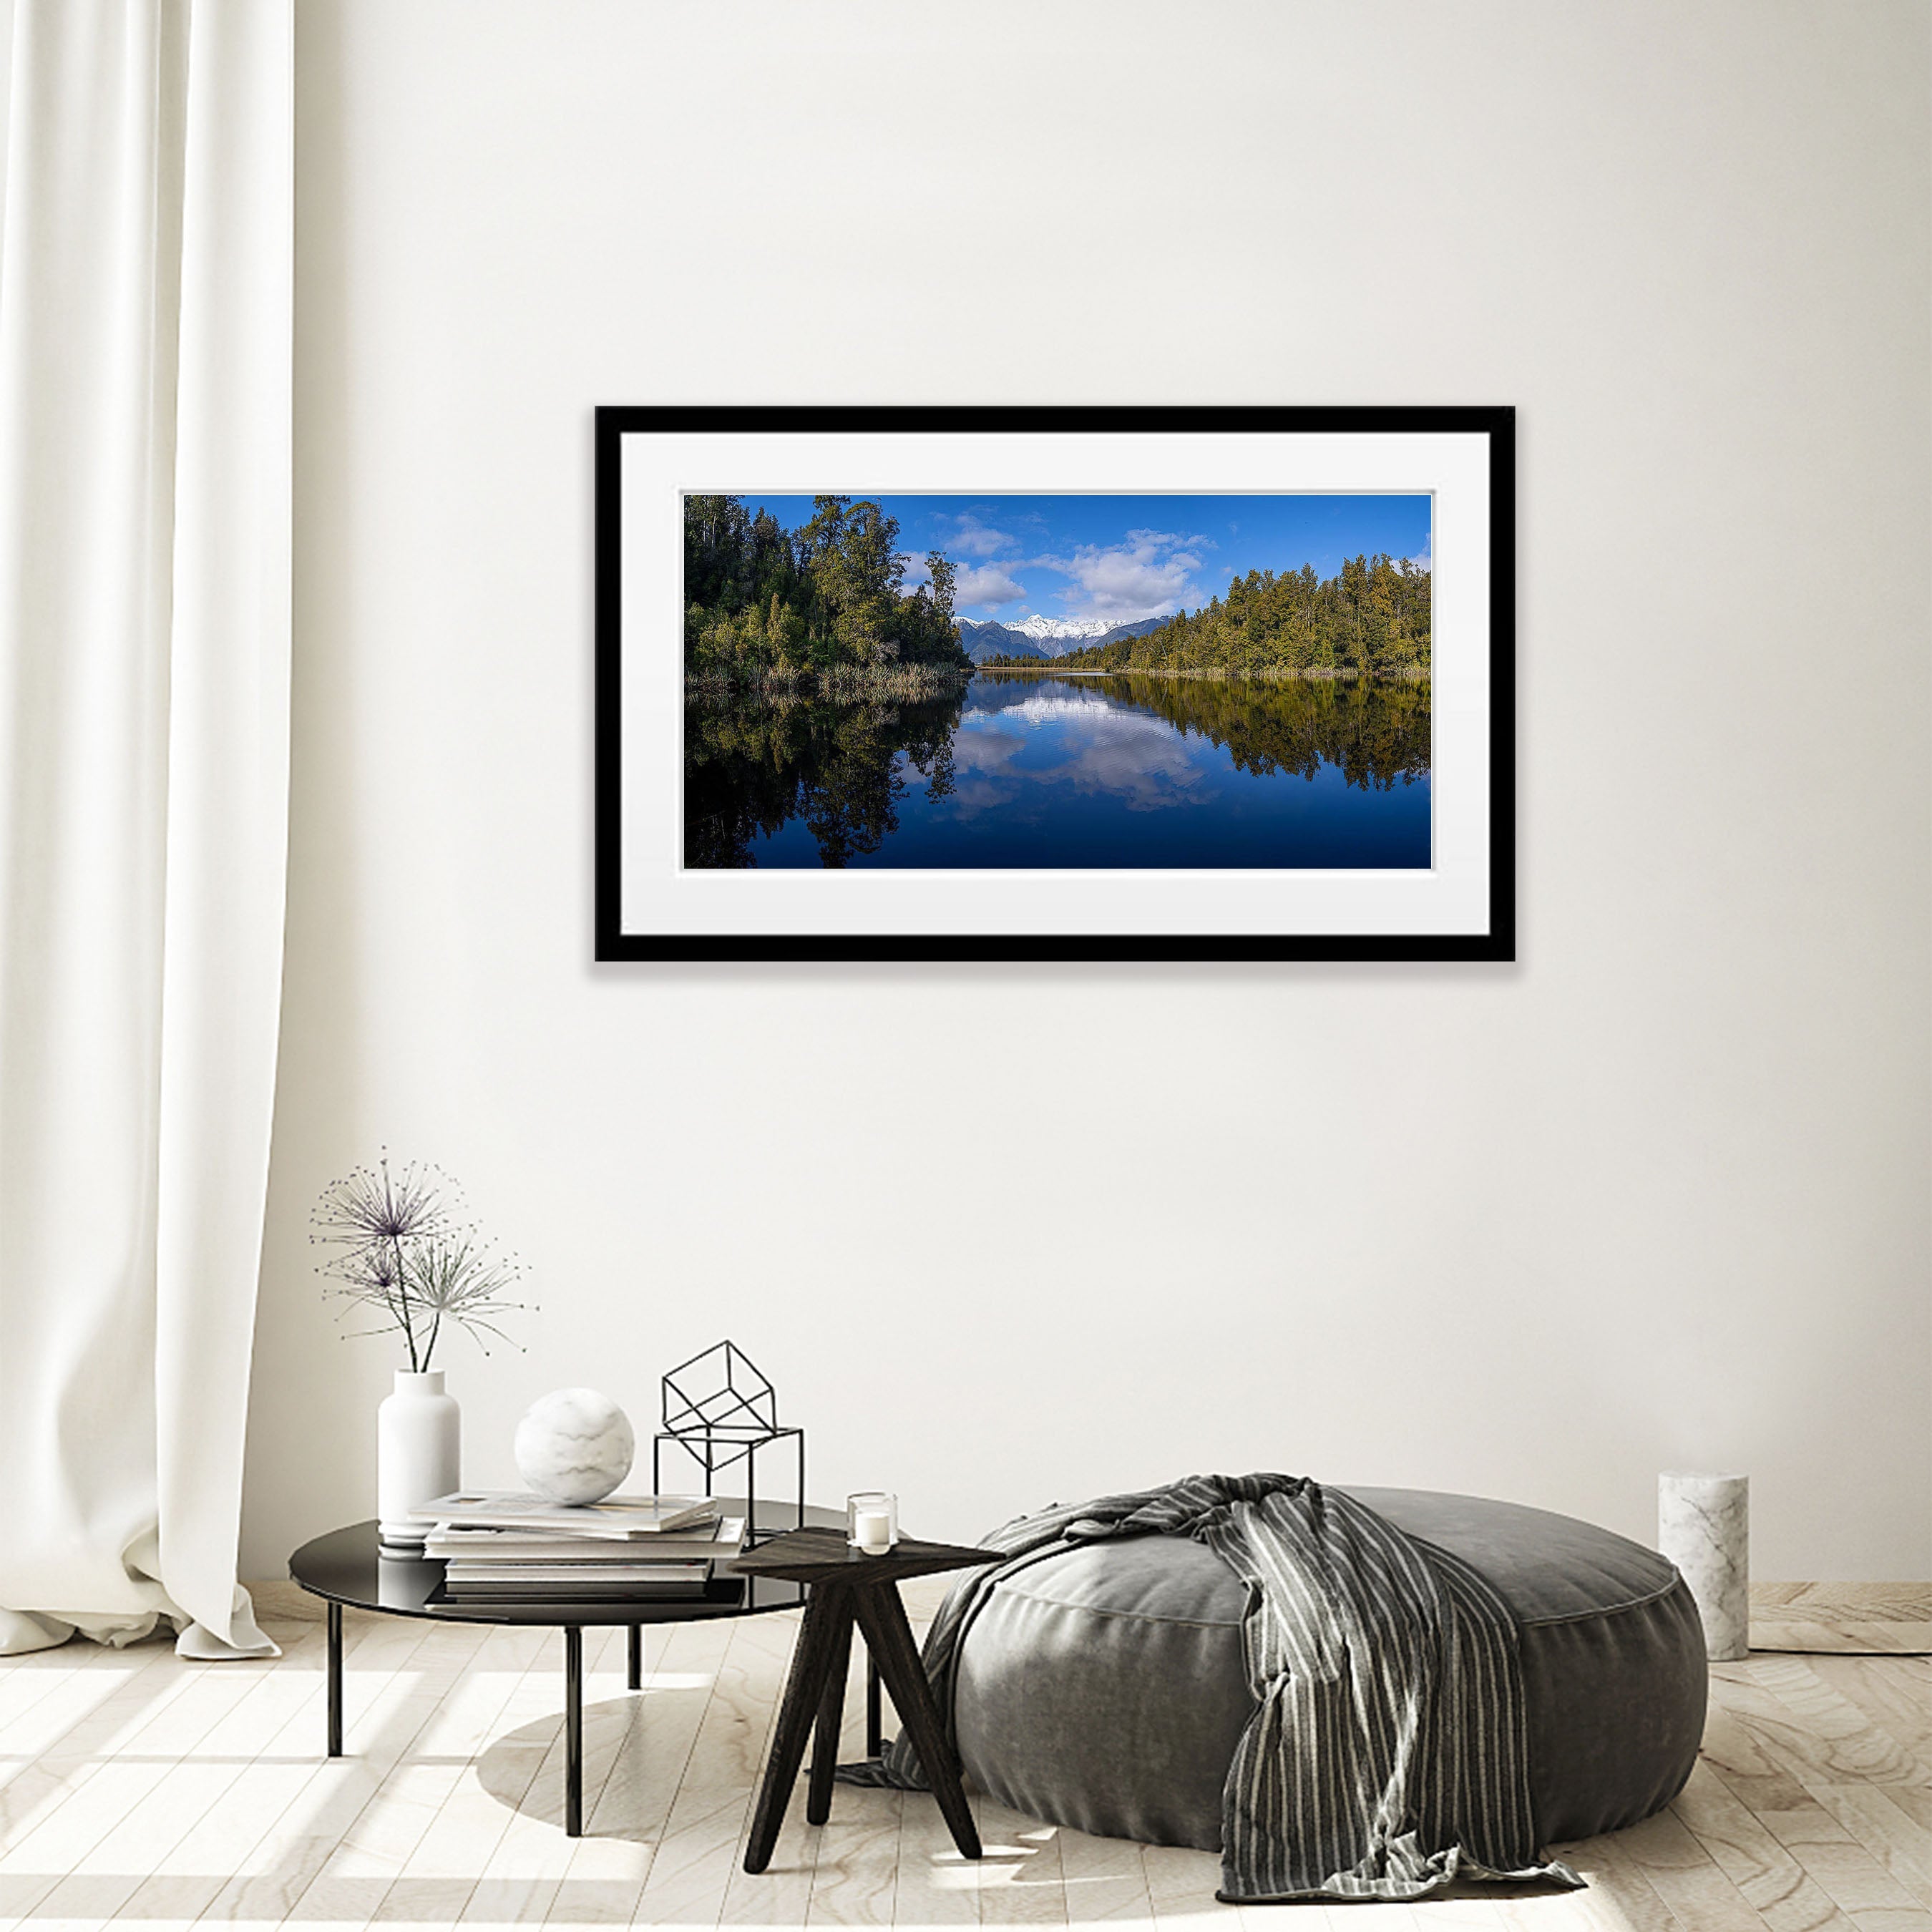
(142, 1792)
(1774, 1882)
(1020, 1880)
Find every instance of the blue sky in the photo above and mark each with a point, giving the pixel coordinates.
(1125, 558)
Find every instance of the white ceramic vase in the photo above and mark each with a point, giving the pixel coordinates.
(419, 1454)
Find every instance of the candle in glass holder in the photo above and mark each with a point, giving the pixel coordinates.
(872, 1521)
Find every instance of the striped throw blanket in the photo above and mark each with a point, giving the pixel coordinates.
(1387, 1751)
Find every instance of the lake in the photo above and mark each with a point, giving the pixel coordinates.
(1029, 769)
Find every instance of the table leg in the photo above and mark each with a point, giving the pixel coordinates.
(335, 1680)
(875, 1727)
(883, 1619)
(573, 1732)
(636, 1666)
(831, 1714)
(804, 1690)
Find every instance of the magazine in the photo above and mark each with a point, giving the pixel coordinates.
(614, 1516)
(463, 1542)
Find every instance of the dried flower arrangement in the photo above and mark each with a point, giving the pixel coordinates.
(407, 1253)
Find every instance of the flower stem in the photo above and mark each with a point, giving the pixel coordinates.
(402, 1305)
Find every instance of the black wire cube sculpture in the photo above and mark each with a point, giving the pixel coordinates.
(720, 1408)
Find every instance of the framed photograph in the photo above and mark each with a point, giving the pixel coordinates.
(1130, 684)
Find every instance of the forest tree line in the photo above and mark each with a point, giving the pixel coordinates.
(1373, 619)
(765, 604)
(1375, 734)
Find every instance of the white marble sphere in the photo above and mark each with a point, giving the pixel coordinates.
(574, 1446)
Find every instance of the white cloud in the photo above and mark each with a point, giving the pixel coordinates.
(916, 571)
(1136, 759)
(971, 538)
(1144, 577)
(985, 583)
(1147, 770)
(984, 747)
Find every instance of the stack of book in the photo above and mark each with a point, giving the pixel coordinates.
(520, 1548)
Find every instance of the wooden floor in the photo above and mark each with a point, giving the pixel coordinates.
(142, 1791)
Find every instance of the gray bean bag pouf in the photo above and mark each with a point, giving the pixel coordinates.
(1104, 1688)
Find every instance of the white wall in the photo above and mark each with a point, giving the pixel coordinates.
(1656, 1196)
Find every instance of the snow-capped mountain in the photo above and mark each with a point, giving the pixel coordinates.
(1039, 628)
(1038, 637)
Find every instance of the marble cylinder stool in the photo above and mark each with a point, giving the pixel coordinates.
(1703, 1525)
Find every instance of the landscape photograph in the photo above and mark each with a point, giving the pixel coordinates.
(1077, 681)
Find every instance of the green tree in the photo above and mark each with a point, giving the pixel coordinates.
(765, 603)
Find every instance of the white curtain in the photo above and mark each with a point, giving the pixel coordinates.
(145, 363)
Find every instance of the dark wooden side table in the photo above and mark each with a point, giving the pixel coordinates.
(845, 1586)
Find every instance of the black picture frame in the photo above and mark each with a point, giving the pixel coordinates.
(1496, 424)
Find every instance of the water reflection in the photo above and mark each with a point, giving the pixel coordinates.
(1132, 770)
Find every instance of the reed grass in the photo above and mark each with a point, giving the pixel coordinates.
(845, 683)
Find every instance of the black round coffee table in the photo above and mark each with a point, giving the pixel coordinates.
(350, 1566)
